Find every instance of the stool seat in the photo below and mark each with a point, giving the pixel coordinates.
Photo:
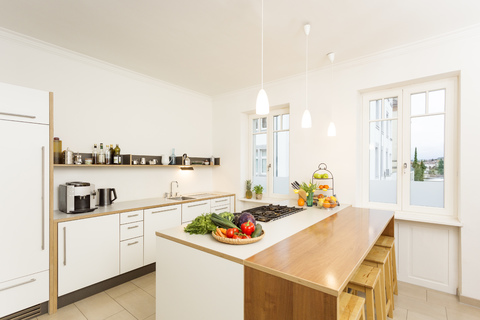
(351, 307)
(368, 279)
(378, 255)
(389, 242)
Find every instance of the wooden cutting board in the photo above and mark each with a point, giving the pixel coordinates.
(302, 194)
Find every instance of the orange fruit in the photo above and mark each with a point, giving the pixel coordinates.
(326, 205)
(326, 186)
(301, 202)
(333, 205)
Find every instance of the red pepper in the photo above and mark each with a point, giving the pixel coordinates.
(248, 228)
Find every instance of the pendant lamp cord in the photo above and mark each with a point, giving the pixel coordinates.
(262, 44)
(306, 75)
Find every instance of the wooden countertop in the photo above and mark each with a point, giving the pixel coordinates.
(325, 255)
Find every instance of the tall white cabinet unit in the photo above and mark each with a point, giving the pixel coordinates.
(24, 198)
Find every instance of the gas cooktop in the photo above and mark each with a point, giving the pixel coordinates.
(272, 212)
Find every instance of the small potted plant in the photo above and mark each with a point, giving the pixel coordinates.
(248, 193)
(258, 191)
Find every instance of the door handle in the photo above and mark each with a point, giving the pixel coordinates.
(43, 197)
(64, 246)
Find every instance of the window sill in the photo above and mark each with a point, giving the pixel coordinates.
(267, 200)
(428, 218)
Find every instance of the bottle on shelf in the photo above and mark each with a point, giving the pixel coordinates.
(117, 158)
(57, 150)
(95, 154)
(101, 155)
(112, 152)
(173, 157)
(108, 155)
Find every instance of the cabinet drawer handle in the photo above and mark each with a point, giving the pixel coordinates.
(223, 200)
(19, 284)
(172, 209)
(196, 205)
(132, 243)
(18, 115)
(132, 215)
(43, 198)
(133, 227)
(222, 208)
(64, 246)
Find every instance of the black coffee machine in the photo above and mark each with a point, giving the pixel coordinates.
(77, 197)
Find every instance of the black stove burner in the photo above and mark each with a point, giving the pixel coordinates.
(272, 212)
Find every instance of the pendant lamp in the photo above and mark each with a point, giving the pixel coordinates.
(306, 118)
(332, 130)
(262, 106)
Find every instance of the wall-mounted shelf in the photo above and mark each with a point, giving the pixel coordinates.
(127, 161)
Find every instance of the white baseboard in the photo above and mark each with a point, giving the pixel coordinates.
(470, 301)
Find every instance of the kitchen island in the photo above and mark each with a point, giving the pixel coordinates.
(297, 271)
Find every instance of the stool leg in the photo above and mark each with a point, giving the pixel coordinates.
(394, 264)
(388, 283)
(380, 301)
(370, 304)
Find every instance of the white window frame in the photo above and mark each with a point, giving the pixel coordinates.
(403, 149)
(270, 131)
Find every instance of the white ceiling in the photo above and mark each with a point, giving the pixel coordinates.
(213, 46)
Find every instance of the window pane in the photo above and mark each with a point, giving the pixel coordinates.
(436, 101)
(375, 109)
(281, 162)
(417, 103)
(277, 122)
(383, 161)
(286, 121)
(391, 108)
(259, 174)
(427, 156)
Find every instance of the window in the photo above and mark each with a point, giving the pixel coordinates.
(409, 148)
(270, 147)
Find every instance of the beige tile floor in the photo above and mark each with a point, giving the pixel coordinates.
(135, 300)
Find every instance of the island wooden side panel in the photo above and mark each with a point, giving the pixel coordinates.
(269, 297)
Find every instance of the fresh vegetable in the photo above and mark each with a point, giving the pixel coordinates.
(246, 236)
(247, 228)
(201, 225)
(231, 232)
(258, 231)
(219, 233)
(227, 215)
(244, 217)
(236, 236)
(221, 222)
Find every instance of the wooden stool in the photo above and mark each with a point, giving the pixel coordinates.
(389, 242)
(351, 307)
(368, 279)
(379, 257)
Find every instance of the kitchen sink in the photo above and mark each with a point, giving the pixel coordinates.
(180, 198)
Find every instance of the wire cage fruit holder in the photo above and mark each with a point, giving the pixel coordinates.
(326, 186)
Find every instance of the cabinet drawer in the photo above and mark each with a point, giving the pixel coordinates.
(131, 216)
(131, 254)
(131, 230)
(220, 209)
(220, 202)
(21, 293)
(193, 209)
(24, 104)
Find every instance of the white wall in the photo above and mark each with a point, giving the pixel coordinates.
(95, 102)
(456, 52)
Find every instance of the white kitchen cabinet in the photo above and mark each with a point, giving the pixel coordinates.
(24, 198)
(157, 219)
(193, 209)
(88, 252)
(131, 240)
(220, 205)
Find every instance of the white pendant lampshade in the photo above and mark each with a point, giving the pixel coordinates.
(306, 119)
(262, 106)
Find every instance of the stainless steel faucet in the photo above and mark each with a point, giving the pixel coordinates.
(171, 188)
